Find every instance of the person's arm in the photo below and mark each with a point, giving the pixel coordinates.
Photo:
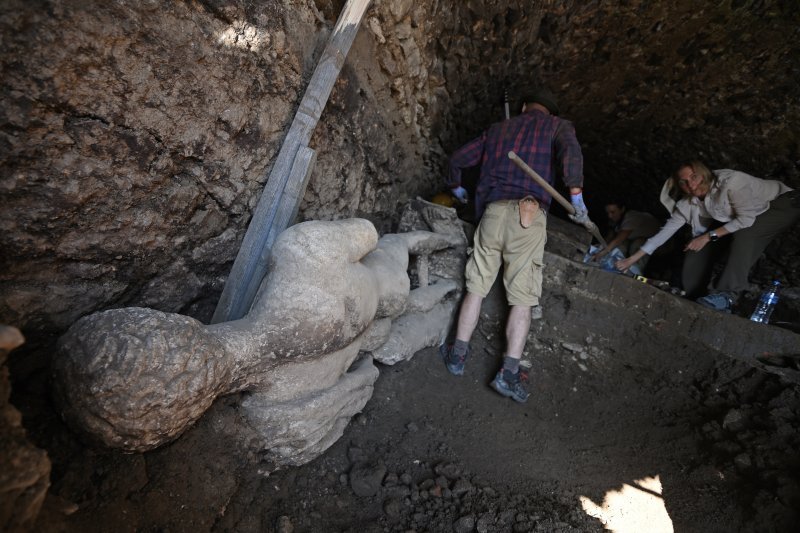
(745, 208)
(467, 156)
(673, 224)
(568, 154)
(697, 244)
(625, 264)
(613, 243)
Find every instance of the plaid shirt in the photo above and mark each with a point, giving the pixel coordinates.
(539, 139)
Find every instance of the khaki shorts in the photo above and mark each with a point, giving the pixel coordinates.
(501, 240)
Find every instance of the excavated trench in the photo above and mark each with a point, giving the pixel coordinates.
(137, 138)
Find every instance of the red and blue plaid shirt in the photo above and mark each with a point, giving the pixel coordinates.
(539, 139)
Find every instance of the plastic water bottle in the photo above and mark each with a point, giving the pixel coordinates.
(766, 304)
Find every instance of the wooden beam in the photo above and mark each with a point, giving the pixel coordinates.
(250, 264)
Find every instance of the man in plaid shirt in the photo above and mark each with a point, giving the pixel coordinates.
(512, 230)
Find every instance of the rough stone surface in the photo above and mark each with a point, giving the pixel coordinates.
(136, 378)
(376, 334)
(24, 468)
(424, 299)
(137, 137)
(651, 401)
(414, 331)
(366, 478)
(297, 430)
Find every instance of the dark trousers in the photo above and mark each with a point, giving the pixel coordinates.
(744, 248)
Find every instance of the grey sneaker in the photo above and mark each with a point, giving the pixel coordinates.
(511, 385)
(718, 301)
(454, 363)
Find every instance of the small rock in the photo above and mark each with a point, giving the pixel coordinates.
(399, 491)
(574, 348)
(485, 523)
(443, 482)
(365, 478)
(392, 507)
(405, 478)
(412, 427)
(461, 486)
(465, 524)
(734, 421)
(390, 480)
(284, 525)
(449, 470)
(355, 454)
(743, 462)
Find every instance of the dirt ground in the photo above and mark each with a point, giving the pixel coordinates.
(644, 433)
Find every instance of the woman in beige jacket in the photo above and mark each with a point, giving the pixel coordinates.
(724, 208)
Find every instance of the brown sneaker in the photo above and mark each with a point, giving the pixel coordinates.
(528, 211)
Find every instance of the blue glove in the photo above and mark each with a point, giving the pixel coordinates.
(581, 215)
(461, 194)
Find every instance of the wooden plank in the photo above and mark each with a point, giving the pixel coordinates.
(250, 264)
(285, 215)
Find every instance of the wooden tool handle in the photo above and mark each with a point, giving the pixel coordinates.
(589, 225)
(541, 181)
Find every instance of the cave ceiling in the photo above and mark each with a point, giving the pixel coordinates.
(647, 83)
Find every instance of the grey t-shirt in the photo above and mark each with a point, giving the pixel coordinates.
(641, 225)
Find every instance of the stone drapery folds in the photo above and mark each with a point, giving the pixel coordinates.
(136, 378)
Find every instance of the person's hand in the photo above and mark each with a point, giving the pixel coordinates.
(461, 194)
(624, 264)
(601, 254)
(581, 216)
(698, 243)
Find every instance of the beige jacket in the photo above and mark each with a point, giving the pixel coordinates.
(735, 199)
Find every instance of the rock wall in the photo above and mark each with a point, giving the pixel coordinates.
(135, 138)
(24, 469)
(647, 84)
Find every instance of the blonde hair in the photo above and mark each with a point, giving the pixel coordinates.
(699, 168)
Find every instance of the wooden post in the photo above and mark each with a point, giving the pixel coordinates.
(250, 264)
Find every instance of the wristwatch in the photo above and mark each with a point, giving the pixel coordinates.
(712, 235)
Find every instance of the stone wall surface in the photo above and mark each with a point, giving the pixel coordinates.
(647, 84)
(24, 468)
(135, 137)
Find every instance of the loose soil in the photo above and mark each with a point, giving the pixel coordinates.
(636, 434)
